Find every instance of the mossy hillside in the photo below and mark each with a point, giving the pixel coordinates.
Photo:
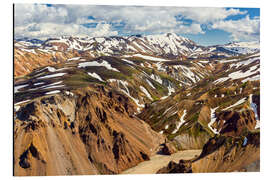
(81, 79)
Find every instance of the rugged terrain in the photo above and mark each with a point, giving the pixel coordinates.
(103, 105)
(30, 54)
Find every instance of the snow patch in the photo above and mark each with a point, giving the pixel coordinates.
(254, 108)
(181, 122)
(213, 119)
(69, 93)
(146, 93)
(39, 83)
(171, 90)
(95, 63)
(128, 61)
(220, 80)
(52, 76)
(17, 88)
(151, 58)
(156, 78)
(126, 92)
(150, 84)
(241, 101)
(21, 102)
(245, 141)
(167, 110)
(254, 78)
(95, 75)
(53, 92)
(73, 59)
(240, 74)
(28, 50)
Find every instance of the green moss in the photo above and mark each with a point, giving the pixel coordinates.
(164, 76)
(243, 85)
(257, 92)
(159, 88)
(107, 74)
(194, 117)
(155, 98)
(196, 129)
(81, 79)
(145, 69)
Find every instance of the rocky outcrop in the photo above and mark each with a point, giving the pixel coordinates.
(234, 123)
(181, 167)
(82, 134)
(167, 149)
(222, 154)
(228, 154)
(187, 141)
(256, 100)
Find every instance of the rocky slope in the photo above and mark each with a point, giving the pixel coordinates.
(86, 131)
(212, 106)
(222, 154)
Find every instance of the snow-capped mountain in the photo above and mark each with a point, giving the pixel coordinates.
(167, 45)
(242, 47)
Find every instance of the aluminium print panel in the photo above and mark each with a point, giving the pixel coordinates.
(135, 89)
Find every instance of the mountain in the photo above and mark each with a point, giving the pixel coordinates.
(207, 106)
(242, 47)
(80, 132)
(102, 105)
(30, 54)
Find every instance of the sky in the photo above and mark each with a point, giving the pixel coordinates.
(205, 26)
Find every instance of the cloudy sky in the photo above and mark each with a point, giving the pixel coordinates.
(206, 26)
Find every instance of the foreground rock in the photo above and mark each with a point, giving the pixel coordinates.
(229, 154)
(222, 154)
(167, 149)
(82, 133)
(181, 167)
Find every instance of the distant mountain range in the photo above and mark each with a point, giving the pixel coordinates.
(167, 45)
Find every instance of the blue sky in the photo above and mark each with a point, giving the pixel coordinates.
(206, 26)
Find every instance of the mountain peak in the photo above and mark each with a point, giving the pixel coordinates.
(171, 34)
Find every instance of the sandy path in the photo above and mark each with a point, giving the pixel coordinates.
(158, 161)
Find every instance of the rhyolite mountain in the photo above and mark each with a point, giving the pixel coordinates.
(102, 105)
(32, 53)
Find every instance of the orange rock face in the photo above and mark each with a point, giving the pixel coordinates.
(88, 133)
(25, 62)
(233, 123)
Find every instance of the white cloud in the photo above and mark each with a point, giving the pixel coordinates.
(33, 13)
(40, 20)
(192, 29)
(45, 30)
(207, 15)
(103, 30)
(242, 29)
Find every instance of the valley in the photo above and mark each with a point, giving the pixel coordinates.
(158, 161)
(135, 104)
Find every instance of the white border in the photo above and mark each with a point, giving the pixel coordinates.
(192, 3)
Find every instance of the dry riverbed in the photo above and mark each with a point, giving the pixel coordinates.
(158, 161)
